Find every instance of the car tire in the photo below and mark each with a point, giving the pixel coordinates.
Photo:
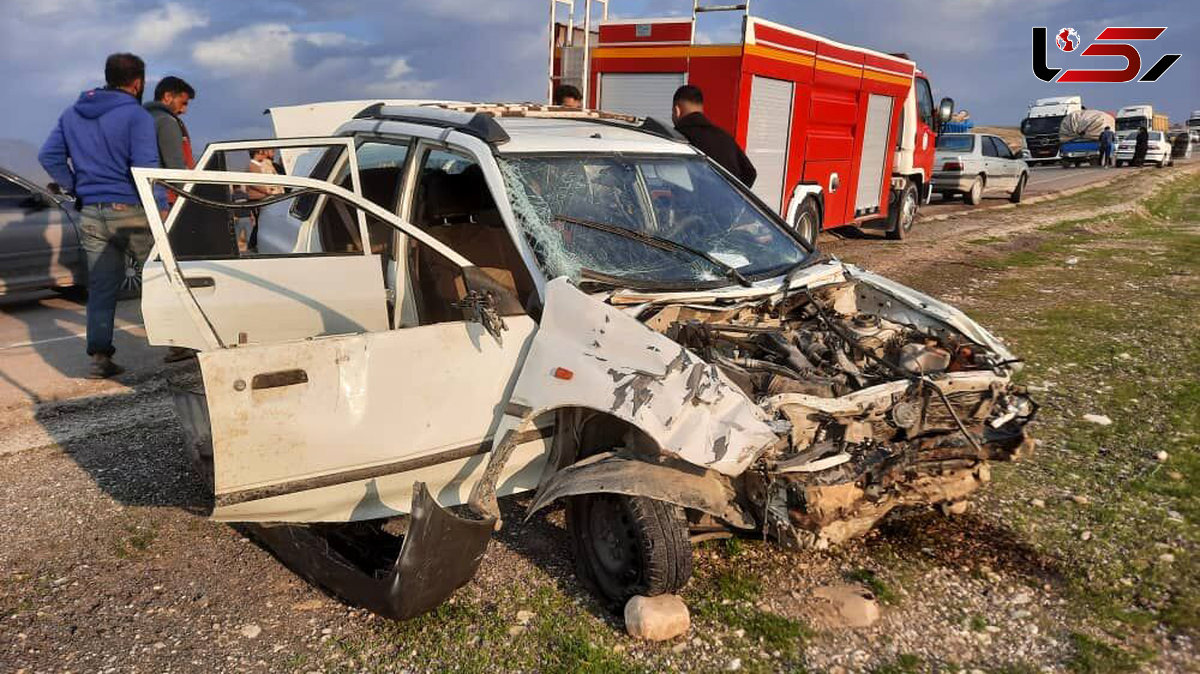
(1016, 195)
(808, 222)
(974, 195)
(903, 212)
(629, 545)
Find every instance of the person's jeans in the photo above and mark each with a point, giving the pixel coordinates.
(110, 233)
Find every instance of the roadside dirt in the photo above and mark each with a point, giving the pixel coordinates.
(107, 565)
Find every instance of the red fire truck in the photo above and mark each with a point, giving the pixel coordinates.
(840, 135)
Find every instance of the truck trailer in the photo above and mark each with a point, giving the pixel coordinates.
(1041, 125)
(840, 134)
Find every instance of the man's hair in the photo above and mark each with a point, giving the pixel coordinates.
(688, 94)
(564, 91)
(173, 85)
(122, 70)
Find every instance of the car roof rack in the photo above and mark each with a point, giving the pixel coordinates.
(481, 125)
(479, 119)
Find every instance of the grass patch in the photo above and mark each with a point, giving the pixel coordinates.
(882, 591)
(137, 539)
(1093, 656)
(1113, 334)
(905, 663)
(727, 598)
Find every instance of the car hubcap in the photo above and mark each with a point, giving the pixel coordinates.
(908, 213)
(133, 275)
(614, 541)
(805, 227)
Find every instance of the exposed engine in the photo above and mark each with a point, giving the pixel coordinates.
(877, 409)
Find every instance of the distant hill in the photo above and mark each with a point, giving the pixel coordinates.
(1011, 134)
(20, 157)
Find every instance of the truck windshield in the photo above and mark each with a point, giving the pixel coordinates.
(1037, 126)
(571, 206)
(1131, 123)
(956, 142)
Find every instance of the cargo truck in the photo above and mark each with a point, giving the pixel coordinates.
(1134, 117)
(1041, 125)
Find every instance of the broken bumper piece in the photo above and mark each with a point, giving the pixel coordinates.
(441, 552)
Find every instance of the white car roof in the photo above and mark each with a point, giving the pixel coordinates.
(531, 134)
(530, 128)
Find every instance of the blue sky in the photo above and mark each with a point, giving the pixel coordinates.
(245, 55)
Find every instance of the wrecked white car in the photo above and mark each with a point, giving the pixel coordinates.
(478, 302)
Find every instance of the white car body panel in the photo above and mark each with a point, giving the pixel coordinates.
(253, 301)
(621, 367)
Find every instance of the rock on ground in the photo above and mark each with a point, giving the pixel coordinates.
(845, 606)
(657, 618)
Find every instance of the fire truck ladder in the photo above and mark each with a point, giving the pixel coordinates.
(699, 8)
(568, 43)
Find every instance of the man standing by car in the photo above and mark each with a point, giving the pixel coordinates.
(1141, 145)
(687, 111)
(171, 98)
(89, 153)
(1108, 143)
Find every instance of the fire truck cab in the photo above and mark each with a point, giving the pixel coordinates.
(840, 135)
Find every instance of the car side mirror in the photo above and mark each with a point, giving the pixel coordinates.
(486, 301)
(38, 202)
(945, 110)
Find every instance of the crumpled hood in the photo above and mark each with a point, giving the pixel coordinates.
(96, 103)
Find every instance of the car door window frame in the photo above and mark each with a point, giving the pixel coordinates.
(144, 179)
(349, 154)
(1002, 148)
(989, 148)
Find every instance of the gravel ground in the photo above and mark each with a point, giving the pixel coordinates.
(109, 566)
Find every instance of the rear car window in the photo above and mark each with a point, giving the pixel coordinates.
(956, 143)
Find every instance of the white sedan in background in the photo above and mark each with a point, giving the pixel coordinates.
(1158, 151)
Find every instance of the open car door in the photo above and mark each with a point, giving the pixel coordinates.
(363, 423)
(251, 295)
(308, 428)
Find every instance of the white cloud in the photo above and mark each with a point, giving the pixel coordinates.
(260, 48)
(158, 29)
(392, 79)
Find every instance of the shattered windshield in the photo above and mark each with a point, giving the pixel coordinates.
(575, 209)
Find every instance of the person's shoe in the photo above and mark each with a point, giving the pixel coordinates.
(103, 367)
(176, 354)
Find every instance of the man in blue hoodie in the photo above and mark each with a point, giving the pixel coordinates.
(89, 154)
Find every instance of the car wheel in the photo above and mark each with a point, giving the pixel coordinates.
(975, 194)
(1019, 192)
(629, 545)
(808, 222)
(131, 285)
(903, 212)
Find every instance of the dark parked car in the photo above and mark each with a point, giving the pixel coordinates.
(39, 241)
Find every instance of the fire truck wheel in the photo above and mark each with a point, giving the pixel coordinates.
(903, 212)
(808, 222)
(975, 194)
(629, 545)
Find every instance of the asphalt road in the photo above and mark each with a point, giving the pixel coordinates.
(1043, 178)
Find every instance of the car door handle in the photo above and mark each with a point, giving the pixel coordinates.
(200, 282)
(278, 379)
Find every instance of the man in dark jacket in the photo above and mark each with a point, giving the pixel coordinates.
(171, 98)
(89, 153)
(1141, 146)
(687, 112)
